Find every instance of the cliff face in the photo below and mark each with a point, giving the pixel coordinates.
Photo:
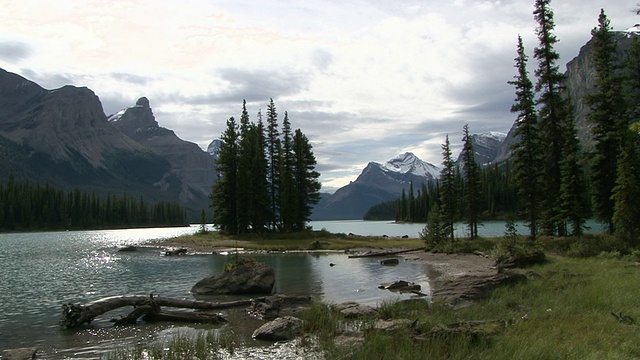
(193, 166)
(59, 123)
(62, 137)
(581, 78)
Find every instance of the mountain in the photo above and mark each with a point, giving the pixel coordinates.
(189, 163)
(581, 77)
(377, 183)
(485, 147)
(62, 137)
(214, 147)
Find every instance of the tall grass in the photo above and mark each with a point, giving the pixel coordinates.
(564, 311)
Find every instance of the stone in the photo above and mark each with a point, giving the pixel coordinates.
(19, 354)
(282, 328)
(355, 310)
(463, 291)
(270, 307)
(249, 278)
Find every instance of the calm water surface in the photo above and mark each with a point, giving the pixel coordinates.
(41, 271)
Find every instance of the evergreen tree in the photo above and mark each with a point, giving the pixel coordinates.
(608, 117)
(273, 161)
(307, 186)
(552, 114)
(626, 192)
(244, 190)
(223, 195)
(573, 202)
(403, 207)
(435, 231)
(259, 183)
(448, 190)
(287, 184)
(632, 84)
(526, 151)
(472, 184)
(203, 222)
(411, 204)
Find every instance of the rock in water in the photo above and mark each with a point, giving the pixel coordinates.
(282, 328)
(253, 278)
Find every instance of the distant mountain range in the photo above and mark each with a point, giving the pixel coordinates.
(62, 137)
(384, 182)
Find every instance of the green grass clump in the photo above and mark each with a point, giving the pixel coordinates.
(203, 345)
(564, 311)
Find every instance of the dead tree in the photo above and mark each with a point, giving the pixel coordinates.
(150, 307)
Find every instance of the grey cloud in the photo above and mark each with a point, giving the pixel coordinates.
(131, 78)
(322, 59)
(14, 51)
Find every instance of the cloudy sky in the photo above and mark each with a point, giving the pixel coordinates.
(365, 80)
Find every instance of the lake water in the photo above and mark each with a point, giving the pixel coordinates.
(41, 271)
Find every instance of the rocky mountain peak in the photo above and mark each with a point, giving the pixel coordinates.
(408, 163)
(135, 119)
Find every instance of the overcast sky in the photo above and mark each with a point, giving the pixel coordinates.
(365, 80)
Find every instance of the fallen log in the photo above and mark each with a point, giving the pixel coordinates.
(383, 253)
(150, 306)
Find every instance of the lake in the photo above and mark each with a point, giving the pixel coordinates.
(41, 271)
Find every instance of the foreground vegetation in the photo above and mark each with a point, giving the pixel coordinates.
(563, 312)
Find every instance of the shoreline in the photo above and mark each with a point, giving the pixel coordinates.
(448, 266)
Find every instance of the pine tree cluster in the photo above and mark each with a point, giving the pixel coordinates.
(266, 176)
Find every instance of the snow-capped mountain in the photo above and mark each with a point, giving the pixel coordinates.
(408, 163)
(377, 183)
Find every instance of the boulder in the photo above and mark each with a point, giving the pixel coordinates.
(464, 291)
(250, 278)
(19, 354)
(270, 307)
(355, 310)
(282, 328)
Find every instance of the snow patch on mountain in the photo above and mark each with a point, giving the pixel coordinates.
(408, 163)
(117, 116)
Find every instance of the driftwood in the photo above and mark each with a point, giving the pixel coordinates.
(148, 306)
(383, 253)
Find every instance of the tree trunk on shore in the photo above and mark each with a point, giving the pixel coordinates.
(148, 306)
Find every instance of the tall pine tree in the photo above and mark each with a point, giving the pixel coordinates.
(273, 161)
(608, 117)
(526, 151)
(472, 184)
(307, 187)
(553, 113)
(287, 191)
(448, 191)
(223, 195)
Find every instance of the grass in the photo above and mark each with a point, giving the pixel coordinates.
(305, 240)
(565, 312)
(203, 345)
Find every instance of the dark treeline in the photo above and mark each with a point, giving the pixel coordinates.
(25, 207)
(498, 198)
